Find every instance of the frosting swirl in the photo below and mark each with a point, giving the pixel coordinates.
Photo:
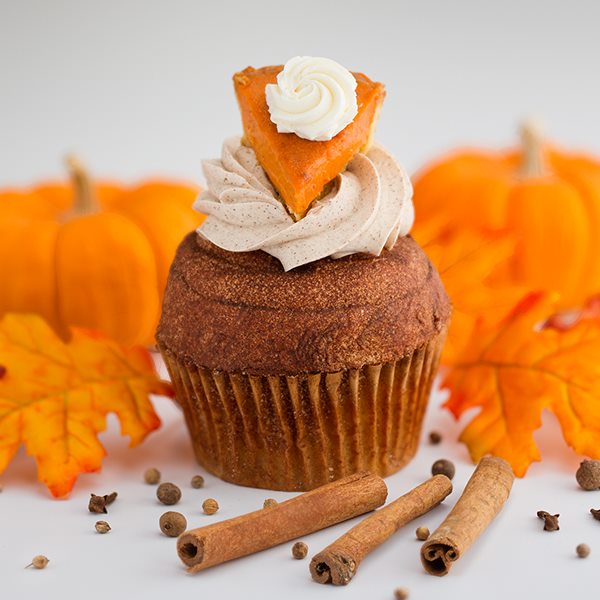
(315, 98)
(369, 206)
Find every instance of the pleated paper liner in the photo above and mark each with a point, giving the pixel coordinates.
(299, 432)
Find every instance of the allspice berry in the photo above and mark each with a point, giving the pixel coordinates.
(588, 475)
(401, 593)
(102, 527)
(152, 476)
(197, 482)
(210, 506)
(270, 503)
(583, 550)
(39, 562)
(435, 437)
(299, 550)
(168, 493)
(443, 467)
(422, 533)
(172, 523)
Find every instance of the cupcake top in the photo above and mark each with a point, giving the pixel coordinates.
(306, 181)
(241, 313)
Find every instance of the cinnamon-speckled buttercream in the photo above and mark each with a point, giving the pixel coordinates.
(241, 313)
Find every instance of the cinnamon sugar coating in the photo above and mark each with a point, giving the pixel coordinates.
(240, 312)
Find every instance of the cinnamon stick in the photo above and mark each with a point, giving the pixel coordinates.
(324, 506)
(482, 499)
(339, 562)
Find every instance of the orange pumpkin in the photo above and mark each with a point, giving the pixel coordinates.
(548, 199)
(93, 256)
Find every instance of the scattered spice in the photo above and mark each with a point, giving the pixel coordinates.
(299, 550)
(401, 593)
(583, 550)
(550, 521)
(172, 523)
(98, 504)
(210, 506)
(338, 563)
(595, 513)
(588, 475)
(39, 562)
(110, 498)
(102, 527)
(152, 476)
(270, 503)
(443, 467)
(435, 437)
(422, 533)
(2, 371)
(197, 482)
(168, 493)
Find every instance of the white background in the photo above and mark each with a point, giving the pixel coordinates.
(143, 88)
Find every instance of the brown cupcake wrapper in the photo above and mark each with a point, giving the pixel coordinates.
(298, 432)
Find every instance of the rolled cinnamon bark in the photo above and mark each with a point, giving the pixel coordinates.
(324, 506)
(339, 562)
(482, 499)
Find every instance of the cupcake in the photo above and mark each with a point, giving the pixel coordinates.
(302, 325)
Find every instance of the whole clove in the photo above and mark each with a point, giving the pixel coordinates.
(550, 521)
(98, 504)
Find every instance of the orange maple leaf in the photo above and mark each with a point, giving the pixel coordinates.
(54, 397)
(514, 370)
(465, 261)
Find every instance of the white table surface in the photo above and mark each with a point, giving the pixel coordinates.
(140, 88)
(514, 558)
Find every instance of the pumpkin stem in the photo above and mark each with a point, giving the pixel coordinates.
(84, 201)
(532, 145)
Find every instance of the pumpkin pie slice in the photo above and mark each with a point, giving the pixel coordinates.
(300, 169)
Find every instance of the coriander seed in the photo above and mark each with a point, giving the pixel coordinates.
(435, 437)
(270, 503)
(443, 467)
(210, 506)
(583, 550)
(422, 533)
(401, 593)
(588, 475)
(299, 550)
(168, 493)
(38, 562)
(152, 476)
(102, 527)
(197, 482)
(172, 523)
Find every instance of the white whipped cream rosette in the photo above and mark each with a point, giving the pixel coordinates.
(315, 98)
(369, 206)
